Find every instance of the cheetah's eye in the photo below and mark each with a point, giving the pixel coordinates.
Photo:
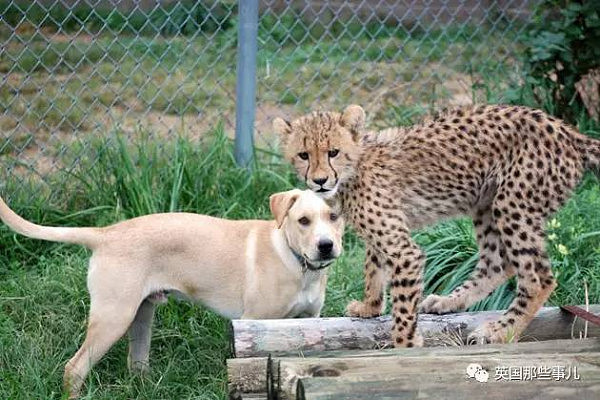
(303, 155)
(304, 221)
(333, 217)
(333, 153)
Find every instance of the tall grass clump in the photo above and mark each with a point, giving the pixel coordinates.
(152, 176)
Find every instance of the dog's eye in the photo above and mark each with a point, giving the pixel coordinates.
(333, 217)
(303, 155)
(304, 221)
(333, 153)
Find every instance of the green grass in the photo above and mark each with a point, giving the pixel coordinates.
(43, 297)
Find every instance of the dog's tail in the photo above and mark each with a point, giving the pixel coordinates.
(88, 237)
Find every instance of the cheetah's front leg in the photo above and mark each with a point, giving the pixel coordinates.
(403, 262)
(373, 303)
(406, 262)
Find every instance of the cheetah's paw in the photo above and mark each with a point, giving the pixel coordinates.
(491, 332)
(359, 309)
(434, 304)
(400, 340)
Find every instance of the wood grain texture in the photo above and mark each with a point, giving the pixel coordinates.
(400, 389)
(420, 373)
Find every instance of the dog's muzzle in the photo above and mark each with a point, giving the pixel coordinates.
(312, 265)
(318, 266)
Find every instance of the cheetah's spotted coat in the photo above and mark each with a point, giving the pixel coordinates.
(507, 167)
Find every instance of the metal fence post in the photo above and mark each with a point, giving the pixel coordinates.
(246, 82)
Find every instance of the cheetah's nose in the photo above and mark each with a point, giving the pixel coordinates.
(320, 181)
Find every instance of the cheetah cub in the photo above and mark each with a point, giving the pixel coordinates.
(507, 167)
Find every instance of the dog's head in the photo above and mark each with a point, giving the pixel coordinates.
(312, 228)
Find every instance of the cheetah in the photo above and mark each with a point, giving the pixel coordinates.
(507, 167)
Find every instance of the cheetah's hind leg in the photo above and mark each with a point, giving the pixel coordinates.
(524, 238)
(491, 270)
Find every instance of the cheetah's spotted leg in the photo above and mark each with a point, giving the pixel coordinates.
(405, 261)
(373, 303)
(525, 250)
(491, 270)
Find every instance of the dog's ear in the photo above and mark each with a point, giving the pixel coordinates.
(280, 204)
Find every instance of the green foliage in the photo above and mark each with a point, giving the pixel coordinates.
(179, 17)
(189, 17)
(561, 47)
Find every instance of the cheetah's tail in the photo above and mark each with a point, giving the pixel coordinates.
(589, 149)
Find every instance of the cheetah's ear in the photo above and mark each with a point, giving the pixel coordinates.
(353, 118)
(282, 127)
(280, 204)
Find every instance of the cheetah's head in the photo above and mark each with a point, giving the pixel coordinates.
(324, 147)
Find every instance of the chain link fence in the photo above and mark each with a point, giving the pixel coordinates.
(73, 70)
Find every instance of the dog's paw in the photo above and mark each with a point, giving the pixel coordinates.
(359, 309)
(139, 367)
(491, 332)
(434, 304)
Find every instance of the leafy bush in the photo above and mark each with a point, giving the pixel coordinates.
(562, 47)
(186, 17)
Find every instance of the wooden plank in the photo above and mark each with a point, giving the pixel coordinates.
(254, 396)
(420, 373)
(243, 376)
(442, 366)
(248, 396)
(252, 338)
(399, 389)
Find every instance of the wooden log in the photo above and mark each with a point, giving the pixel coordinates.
(249, 377)
(421, 372)
(252, 338)
(559, 346)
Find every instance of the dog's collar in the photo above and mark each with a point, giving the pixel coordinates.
(307, 264)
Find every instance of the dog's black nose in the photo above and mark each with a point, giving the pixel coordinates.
(320, 181)
(325, 246)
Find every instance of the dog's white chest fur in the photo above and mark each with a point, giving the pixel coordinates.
(308, 300)
(285, 291)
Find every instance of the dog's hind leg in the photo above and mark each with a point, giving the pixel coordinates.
(108, 322)
(140, 333)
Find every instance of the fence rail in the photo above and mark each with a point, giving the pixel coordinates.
(74, 69)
